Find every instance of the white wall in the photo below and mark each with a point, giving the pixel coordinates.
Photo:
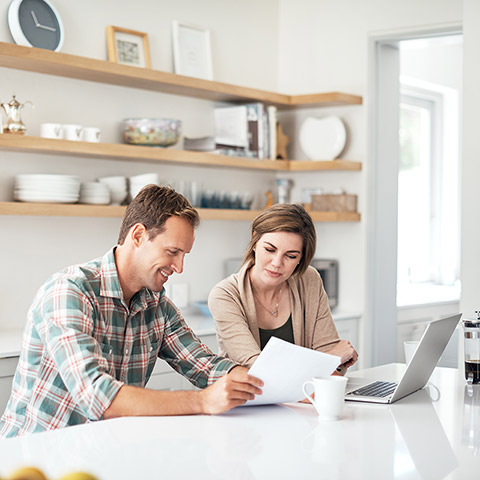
(324, 46)
(470, 300)
(244, 46)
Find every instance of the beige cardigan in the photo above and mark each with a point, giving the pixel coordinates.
(233, 308)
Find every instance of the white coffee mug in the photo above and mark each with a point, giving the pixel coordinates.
(73, 132)
(51, 130)
(409, 347)
(329, 396)
(91, 134)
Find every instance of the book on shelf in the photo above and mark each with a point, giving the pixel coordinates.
(256, 129)
(272, 131)
(248, 128)
(231, 130)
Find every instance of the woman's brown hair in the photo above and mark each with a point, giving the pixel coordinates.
(284, 217)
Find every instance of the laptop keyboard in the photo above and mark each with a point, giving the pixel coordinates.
(375, 389)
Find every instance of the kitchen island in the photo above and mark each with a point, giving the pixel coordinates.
(432, 434)
(163, 377)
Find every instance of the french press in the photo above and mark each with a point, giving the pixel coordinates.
(471, 329)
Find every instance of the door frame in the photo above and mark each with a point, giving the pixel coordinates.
(381, 186)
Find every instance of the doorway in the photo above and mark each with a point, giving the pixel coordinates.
(413, 244)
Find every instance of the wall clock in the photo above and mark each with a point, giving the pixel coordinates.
(35, 23)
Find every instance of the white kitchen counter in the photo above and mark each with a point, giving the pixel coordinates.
(10, 343)
(415, 438)
(11, 340)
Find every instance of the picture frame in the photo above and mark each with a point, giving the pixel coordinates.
(128, 47)
(192, 52)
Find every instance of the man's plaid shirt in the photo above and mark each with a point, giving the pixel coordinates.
(82, 343)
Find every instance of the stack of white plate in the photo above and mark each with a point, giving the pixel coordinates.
(47, 188)
(118, 188)
(95, 193)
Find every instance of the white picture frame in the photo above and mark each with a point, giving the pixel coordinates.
(192, 53)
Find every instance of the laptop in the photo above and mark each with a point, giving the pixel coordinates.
(418, 371)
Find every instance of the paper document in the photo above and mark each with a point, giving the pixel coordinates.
(284, 367)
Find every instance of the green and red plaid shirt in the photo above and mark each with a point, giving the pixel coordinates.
(82, 343)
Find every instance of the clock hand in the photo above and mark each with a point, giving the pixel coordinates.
(45, 27)
(34, 18)
(39, 25)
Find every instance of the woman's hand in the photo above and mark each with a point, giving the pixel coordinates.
(346, 352)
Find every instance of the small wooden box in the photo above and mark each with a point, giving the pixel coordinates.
(334, 203)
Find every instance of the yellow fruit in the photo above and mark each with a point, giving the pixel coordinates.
(28, 473)
(79, 476)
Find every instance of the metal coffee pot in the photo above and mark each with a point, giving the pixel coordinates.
(14, 123)
(471, 328)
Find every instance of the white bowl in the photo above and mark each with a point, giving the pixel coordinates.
(118, 188)
(134, 189)
(95, 187)
(118, 196)
(95, 199)
(145, 178)
(117, 181)
(137, 182)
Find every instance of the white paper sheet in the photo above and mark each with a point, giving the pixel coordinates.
(284, 367)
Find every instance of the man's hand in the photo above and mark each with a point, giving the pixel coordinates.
(230, 391)
(346, 352)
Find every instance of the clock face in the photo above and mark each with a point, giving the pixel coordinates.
(35, 23)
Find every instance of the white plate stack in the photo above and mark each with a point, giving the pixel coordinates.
(46, 188)
(95, 193)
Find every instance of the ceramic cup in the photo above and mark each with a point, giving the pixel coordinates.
(73, 132)
(51, 130)
(91, 134)
(409, 348)
(329, 395)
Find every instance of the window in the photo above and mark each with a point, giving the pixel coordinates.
(428, 259)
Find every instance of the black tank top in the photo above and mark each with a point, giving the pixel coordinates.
(284, 332)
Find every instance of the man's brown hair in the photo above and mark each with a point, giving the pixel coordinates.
(285, 217)
(152, 207)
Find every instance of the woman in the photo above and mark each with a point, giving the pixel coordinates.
(276, 292)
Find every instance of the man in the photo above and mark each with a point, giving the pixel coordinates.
(94, 332)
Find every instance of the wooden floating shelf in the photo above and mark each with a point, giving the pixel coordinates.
(60, 210)
(89, 69)
(332, 165)
(83, 68)
(76, 210)
(134, 153)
